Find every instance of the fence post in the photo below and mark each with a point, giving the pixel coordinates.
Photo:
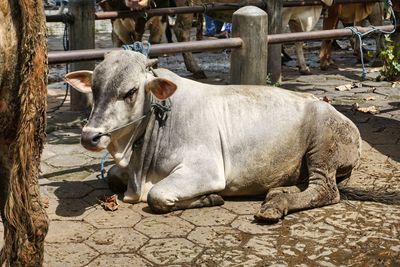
(81, 36)
(249, 63)
(274, 10)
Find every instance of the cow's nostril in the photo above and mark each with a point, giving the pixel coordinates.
(96, 139)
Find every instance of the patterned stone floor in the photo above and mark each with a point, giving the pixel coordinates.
(350, 233)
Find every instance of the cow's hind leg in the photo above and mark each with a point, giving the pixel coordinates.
(321, 192)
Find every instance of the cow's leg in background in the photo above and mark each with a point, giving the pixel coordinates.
(376, 19)
(330, 23)
(301, 61)
(182, 29)
(157, 28)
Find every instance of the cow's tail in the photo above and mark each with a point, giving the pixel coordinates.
(351, 193)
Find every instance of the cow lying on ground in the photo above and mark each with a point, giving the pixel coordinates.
(350, 15)
(216, 140)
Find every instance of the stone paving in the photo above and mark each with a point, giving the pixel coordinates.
(350, 233)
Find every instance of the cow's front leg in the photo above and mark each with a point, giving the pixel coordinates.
(117, 179)
(301, 61)
(303, 68)
(182, 29)
(329, 23)
(185, 189)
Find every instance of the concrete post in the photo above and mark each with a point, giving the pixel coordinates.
(81, 36)
(249, 63)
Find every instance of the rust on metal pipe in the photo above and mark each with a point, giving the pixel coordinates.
(57, 57)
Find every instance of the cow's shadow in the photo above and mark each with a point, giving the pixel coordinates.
(380, 131)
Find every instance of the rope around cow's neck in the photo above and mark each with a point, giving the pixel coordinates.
(159, 108)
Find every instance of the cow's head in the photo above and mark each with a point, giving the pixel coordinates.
(121, 87)
(137, 4)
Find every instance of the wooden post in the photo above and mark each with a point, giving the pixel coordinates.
(274, 10)
(81, 36)
(249, 63)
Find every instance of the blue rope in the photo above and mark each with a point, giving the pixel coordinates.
(360, 35)
(102, 170)
(141, 47)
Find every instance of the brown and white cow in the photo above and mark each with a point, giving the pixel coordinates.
(301, 19)
(210, 141)
(350, 15)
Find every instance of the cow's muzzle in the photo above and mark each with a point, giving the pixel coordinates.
(94, 141)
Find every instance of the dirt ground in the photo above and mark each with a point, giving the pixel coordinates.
(350, 233)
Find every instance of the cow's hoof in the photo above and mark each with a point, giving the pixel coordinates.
(199, 75)
(130, 199)
(272, 210)
(270, 215)
(324, 66)
(305, 71)
(215, 200)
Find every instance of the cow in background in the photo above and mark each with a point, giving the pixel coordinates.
(130, 30)
(350, 15)
(302, 19)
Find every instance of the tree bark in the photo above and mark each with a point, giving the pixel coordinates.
(23, 90)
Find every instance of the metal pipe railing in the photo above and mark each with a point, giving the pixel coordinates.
(56, 57)
(200, 9)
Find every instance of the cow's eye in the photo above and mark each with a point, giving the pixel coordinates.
(130, 93)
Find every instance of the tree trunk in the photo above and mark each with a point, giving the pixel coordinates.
(23, 79)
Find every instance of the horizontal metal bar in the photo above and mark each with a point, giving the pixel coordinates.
(57, 57)
(283, 38)
(65, 17)
(201, 9)
(297, 3)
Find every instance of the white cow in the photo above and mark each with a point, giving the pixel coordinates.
(197, 142)
(302, 19)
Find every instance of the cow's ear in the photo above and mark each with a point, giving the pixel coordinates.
(81, 80)
(161, 88)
